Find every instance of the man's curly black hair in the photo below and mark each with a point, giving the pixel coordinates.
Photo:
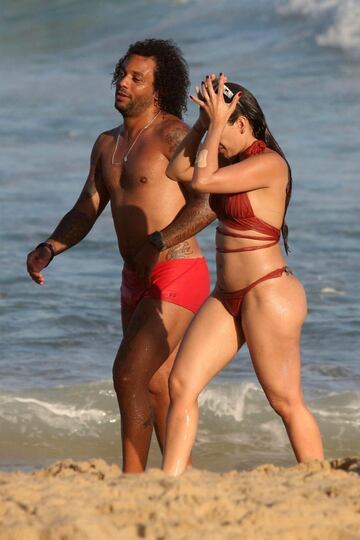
(171, 78)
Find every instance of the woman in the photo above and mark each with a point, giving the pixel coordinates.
(256, 300)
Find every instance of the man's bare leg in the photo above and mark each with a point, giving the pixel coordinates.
(152, 334)
(158, 387)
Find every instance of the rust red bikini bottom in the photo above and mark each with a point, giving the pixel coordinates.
(233, 300)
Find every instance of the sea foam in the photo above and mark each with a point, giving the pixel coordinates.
(337, 21)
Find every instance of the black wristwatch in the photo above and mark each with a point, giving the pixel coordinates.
(49, 247)
(157, 241)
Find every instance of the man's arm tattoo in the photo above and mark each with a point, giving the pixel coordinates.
(174, 137)
(73, 227)
(192, 218)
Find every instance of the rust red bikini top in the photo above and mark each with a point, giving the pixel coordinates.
(234, 210)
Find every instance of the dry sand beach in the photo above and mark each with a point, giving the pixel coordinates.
(94, 501)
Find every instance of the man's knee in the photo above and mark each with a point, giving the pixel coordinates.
(125, 377)
(130, 374)
(119, 377)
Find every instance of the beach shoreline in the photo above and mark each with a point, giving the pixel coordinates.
(91, 500)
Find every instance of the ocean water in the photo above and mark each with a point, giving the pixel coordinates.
(301, 58)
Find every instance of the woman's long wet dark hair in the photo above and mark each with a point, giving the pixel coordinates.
(250, 108)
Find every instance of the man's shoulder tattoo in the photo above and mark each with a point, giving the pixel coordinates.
(174, 137)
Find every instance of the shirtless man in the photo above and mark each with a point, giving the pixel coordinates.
(165, 278)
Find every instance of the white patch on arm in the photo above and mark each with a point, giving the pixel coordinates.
(201, 158)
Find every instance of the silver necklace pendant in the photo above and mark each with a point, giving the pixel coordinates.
(125, 158)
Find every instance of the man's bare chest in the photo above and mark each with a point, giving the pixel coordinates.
(143, 171)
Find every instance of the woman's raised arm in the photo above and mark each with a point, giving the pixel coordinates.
(181, 165)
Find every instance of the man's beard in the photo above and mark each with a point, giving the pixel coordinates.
(134, 108)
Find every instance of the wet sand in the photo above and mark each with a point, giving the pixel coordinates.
(93, 501)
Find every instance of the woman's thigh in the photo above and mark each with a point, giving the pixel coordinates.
(210, 342)
(272, 317)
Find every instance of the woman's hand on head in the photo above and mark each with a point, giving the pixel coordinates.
(203, 119)
(213, 107)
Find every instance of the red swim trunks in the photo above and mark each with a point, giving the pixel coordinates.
(185, 282)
